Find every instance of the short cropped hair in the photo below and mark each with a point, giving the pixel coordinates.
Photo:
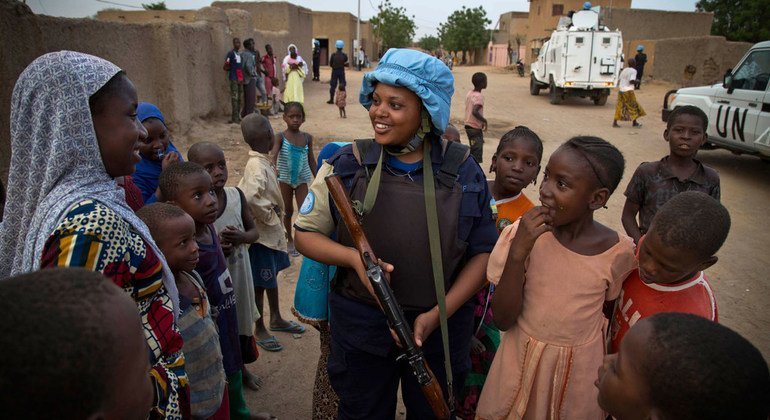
(605, 160)
(478, 78)
(193, 154)
(525, 133)
(698, 369)
(170, 177)
(692, 221)
(257, 132)
(688, 110)
(156, 214)
(57, 347)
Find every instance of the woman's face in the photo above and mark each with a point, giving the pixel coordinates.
(395, 114)
(117, 129)
(293, 52)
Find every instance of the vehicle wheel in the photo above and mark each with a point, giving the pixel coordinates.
(534, 87)
(600, 100)
(555, 94)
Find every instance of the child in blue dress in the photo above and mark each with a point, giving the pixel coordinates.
(156, 150)
(293, 155)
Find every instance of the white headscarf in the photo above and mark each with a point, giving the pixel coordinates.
(55, 159)
(285, 64)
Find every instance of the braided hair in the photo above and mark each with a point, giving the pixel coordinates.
(518, 132)
(605, 160)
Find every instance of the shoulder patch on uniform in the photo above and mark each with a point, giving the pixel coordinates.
(308, 204)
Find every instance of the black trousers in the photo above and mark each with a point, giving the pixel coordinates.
(364, 368)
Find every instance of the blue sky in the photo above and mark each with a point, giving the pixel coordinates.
(427, 14)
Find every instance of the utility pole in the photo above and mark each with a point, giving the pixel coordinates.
(358, 32)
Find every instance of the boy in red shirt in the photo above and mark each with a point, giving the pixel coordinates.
(683, 238)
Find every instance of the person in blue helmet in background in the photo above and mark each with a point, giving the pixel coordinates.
(408, 97)
(316, 60)
(641, 60)
(337, 62)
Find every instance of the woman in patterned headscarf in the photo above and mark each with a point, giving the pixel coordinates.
(73, 131)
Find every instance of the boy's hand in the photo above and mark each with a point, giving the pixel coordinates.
(484, 126)
(168, 160)
(233, 235)
(534, 223)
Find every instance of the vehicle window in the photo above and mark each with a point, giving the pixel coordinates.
(754, 72)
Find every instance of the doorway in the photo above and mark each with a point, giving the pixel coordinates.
(324, 51)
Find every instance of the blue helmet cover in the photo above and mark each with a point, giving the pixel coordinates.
(421, 73)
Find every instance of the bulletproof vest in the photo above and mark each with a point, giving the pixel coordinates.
(396, 228)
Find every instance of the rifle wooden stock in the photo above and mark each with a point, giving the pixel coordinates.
(380, 283)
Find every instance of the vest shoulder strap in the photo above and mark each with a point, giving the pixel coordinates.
(360, 149)
(454, 155)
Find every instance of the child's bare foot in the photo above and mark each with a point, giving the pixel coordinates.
(251, 381)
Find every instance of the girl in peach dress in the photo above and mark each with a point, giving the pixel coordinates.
(554, 270)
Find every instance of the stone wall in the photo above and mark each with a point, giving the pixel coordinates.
(711, 56)
(177, 66)
(656, 24)
(334, 26)
(278, 24)
(147, 16)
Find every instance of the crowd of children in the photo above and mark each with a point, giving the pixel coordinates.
(515, 306)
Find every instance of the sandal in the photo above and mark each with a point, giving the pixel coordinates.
(637, 124)
(293, 327)
(270, 344)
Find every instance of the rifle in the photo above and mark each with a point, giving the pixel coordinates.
(381, 284)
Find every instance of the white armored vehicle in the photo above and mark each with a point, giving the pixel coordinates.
(738, 109)
(581, 59)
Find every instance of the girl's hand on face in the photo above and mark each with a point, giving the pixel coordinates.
(169, 159)
(534, 223)
(233, 235)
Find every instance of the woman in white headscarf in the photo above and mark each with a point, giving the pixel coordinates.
(73, 131)
(294, 72)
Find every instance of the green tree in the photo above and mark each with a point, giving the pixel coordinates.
(738, 20)
(392, 26)
(161, 5)
(429, 43)
(465, 29)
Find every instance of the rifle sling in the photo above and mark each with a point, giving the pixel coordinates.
(437, 262)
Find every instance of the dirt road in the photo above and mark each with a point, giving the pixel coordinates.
(740, 277)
